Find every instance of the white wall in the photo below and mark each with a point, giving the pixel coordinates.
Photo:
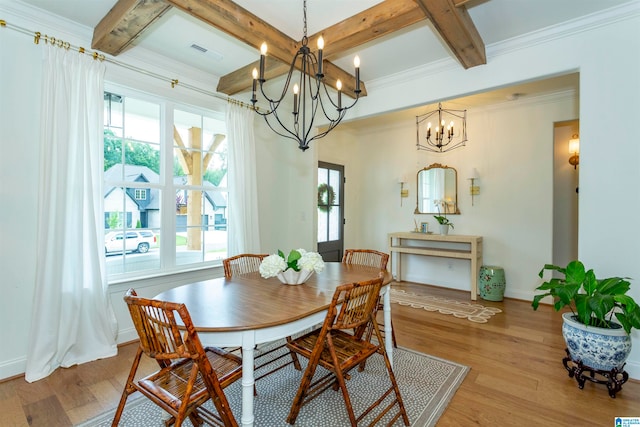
(19, 157)
(609, 157)
(604, 51)
(512, 147)
(287, 206)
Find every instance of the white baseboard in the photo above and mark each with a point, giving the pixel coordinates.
(17, 367)
(12, 368)
(127, 335)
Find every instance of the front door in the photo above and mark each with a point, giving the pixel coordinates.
(330, 211)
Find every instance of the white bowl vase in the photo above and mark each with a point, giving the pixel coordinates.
(292, 277)
(444, 229)
(597, 348)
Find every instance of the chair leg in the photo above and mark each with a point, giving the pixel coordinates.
(369, 334)
(128, 388)
(394, 384)
(294, 358)
(339, 375)
(298, 401)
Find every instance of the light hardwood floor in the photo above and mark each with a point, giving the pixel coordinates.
(516, 376)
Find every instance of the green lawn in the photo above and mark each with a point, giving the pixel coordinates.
(180, 240)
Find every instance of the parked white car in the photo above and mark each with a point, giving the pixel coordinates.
(136, 241)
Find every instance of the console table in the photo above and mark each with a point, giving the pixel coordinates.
(464, 247)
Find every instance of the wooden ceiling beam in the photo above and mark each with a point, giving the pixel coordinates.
(129, 18)
(124, 23)
(370, 24)
(250, 29)
(453, 23)
(377, 21)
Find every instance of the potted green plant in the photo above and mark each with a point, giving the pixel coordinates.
(444, 223)
(442, 219)
(602, 315)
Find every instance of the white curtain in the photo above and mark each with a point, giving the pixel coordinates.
(72, 321)
(244, 232)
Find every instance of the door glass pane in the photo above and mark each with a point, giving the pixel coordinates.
(334, 183)
(334, 223)
(323, 216)
(330, 211)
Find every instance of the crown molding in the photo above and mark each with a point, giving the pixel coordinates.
(547, 98)
(35, 19)
(565, 29)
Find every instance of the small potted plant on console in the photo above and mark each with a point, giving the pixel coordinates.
(442, 218)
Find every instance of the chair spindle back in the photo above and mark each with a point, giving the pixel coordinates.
(242, 264)
(366, 257)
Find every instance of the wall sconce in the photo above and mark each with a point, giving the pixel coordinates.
(404, 192)
(574, 150)
(474, 189)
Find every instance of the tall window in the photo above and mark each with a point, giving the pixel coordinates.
(200, 179)
(165, 191)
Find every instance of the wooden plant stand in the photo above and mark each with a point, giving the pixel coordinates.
(613, 378)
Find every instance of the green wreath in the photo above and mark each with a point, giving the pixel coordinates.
(326, 197)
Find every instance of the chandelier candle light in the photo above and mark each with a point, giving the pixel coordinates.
(441, 139)
(310, 93)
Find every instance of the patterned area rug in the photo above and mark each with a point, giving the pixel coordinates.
(472, 311)
(426, 383)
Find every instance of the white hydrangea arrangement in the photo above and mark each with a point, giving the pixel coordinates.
(297, 260)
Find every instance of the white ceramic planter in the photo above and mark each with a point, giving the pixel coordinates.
(597, 348)
(292, 277)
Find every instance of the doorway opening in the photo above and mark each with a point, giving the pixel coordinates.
(565, 194)
(330, 211)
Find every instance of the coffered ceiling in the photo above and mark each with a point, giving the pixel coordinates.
(221, 37)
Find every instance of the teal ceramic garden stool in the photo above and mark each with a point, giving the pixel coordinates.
(492, 283)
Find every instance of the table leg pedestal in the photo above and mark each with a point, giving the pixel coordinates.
(613, 378)
(388, 332)
(248, 381)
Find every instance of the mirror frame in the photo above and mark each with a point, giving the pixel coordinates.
(436, 166)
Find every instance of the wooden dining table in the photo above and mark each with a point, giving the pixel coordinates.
(247, 310)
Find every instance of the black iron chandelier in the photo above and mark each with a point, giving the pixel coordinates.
(310, 94)
(443, 137)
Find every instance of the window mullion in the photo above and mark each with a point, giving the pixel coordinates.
(167, 245)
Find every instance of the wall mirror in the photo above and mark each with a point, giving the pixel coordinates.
(437, 190)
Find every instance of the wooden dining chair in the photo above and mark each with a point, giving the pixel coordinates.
(366, 257)
(242, 264)
(338, 350)
(250, 263)
(189, 373)
(370, 258)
